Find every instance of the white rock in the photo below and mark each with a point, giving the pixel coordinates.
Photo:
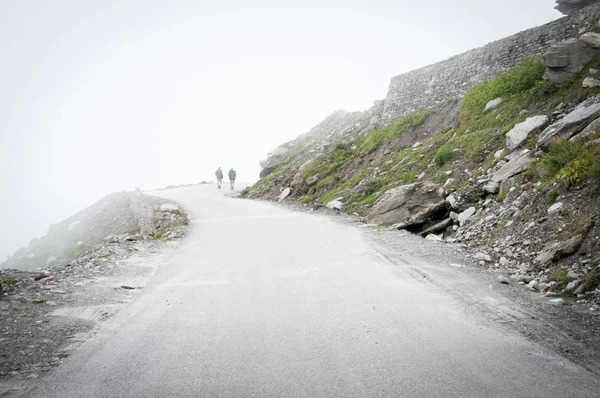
(555, 207)
(483, 257)
(521, 131)
(466, 215)
(504, 261)
(285, 193)
(335, 205)
(493, 103)
(590, 82)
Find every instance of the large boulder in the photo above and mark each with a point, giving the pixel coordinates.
(521, 131)
(570, 125)
(592, 39)
(587, 133)
(558, 250)
(568, 7)
(517, 165)
(565, 59)
(408, 205)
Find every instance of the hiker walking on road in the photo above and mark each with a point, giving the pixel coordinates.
(232, 175)
(219, 175)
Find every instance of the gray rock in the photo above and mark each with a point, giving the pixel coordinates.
(335, 205)
(491, 187)
(591, 129)
(311, 180)
(515, 166)
(284, 194)
(521, 131)
(453, 216)
(565, 59)
(508, 183)
(590, 82)
(568, 7)
(592, 39)
(558, 250)
(572, 285)
(408, 205)
(504, 280)
(570, 125)
(437, 227)
(483, 257)
(533, 285)
(555, 207)
(504, 261)
(493, 104)
(466, 215)
(169, 208)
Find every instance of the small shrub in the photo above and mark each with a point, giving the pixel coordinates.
(569, 162)
(591, 281)
(502, 195)
(561, 277)
(339, 146)
(595, 29)
(444, 155)
(551, 196)
(159, 234)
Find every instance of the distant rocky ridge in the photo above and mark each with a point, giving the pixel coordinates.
(124, 215)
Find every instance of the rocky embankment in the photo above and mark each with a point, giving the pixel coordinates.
(510, 172)
(92, 263)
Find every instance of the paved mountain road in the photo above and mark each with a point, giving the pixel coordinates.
(261, 301)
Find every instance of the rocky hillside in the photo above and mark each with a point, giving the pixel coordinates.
(569, 6)
(121, 216)
(510, 171)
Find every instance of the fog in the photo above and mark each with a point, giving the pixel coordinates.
(102, 96)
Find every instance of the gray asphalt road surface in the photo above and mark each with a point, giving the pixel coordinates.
(259, 301)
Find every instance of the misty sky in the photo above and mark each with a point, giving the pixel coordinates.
(101, 96)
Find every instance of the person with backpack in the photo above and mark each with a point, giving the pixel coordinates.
(219, 175)
(232, 175)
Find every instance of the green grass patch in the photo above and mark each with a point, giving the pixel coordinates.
(444, 155)
(376, 137)
(561, 277)
(502, 195)
(569, 162)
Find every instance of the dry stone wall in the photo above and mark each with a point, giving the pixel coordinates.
(450, 78)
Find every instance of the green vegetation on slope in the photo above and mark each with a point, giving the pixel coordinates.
(363, 169)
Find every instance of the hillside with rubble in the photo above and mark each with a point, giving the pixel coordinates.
(77, 275)
(509, 171)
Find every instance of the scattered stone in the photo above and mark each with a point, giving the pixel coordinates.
(533, 285)
(558, 250)
(493, 104)
(522, 131)
(555, 207)
(503, 279)
(492, 187)
(504, 261)
(570, 125)
(466, 215)
(312, 179)
(572, 285)
(169, 208)
(284, 194)
(590, 82)
(336, 205)
(483, 257)
(434, 238)
(514, 167)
